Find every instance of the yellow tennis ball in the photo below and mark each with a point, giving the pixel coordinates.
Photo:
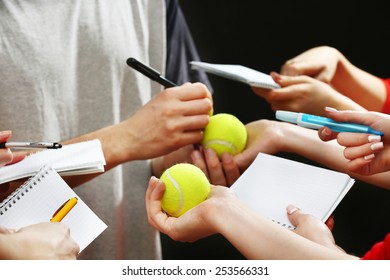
(185, 187)
(225, 133)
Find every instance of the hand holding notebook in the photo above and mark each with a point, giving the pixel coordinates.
(46, 197)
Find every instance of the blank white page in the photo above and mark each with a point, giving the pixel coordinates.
(38, 199)
(237, 73)
(271, 183)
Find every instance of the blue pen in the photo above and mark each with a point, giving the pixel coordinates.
(316, 122)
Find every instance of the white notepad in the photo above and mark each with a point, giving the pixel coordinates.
(237, 73)
(73, 159)
(271, 183)
(40, 197)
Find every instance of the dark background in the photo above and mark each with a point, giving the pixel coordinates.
(263, 35)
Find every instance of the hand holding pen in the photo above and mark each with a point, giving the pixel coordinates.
(154, 75)
(6, 155)
(369, 153)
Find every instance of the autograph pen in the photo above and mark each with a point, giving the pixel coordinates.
(149, 72)
(316, 122)
(64, 210)
(31, 145)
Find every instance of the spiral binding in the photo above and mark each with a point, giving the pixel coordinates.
(21, 191)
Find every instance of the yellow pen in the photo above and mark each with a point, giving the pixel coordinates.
(64, 209)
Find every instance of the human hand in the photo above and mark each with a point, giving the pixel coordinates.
(264, 136)
(172, 119)
(304, 94)
(6, 156)
(222, 172)
(319, 63)
(42, 241)
(367, 154)
(312, 228)
(193, 225)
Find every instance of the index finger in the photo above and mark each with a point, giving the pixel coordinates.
(356, 139)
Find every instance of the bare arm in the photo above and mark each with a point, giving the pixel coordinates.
(362, 87)
(329, 65)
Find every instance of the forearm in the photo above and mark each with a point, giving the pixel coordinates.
(362, 87)
(118, 145)
(265, 239)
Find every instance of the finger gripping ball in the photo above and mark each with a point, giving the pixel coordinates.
(225, 133)
(185, 187)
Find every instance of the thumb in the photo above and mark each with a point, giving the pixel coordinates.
(245, 158)
(294, 214)
(5, 135)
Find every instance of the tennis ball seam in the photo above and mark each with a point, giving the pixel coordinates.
(223, 143)
(177, 187)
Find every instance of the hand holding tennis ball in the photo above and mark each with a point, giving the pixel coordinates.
(225, 133)
(185, 187)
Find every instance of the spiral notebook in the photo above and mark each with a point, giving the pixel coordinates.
(271, 183)
(72, 159)
(237, 73)
(40, 198)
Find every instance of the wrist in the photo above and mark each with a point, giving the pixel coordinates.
(343, 66)
(223, 213)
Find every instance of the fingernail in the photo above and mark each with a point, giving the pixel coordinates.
(376, 146)
(227, 158)
(210, 152)
(369, 157)
(291, 209)
(196, 154)
(5, 133)
(374, 138)
(326, 132)
(276, 76)
(330, 109)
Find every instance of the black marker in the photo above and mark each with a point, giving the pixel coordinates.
(150, 72)
(31, 145)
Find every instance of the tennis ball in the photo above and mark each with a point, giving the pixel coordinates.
(224, 133)
(185, 187)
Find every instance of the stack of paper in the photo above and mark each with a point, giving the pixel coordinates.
(74, 159)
